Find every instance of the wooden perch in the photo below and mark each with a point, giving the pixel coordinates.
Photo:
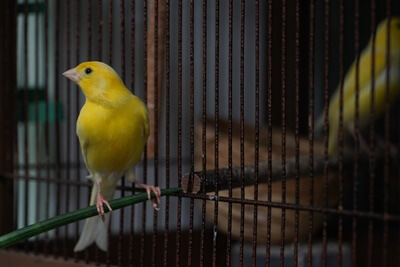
(193, 183)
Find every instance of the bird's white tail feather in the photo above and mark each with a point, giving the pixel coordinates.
(95, 230)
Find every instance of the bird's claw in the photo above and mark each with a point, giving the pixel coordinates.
(157, 192)
(100, 207)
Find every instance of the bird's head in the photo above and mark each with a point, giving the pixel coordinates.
(98, 81)
(381, 34)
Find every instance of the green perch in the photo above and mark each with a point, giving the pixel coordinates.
(74, 216)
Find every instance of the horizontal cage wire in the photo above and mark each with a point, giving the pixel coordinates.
(278, 119)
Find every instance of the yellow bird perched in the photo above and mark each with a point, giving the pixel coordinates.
(112, 128)
(365, 81)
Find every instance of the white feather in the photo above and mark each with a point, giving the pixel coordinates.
(95, 230)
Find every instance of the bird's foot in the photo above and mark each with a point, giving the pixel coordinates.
(100, 207)
(156, 190)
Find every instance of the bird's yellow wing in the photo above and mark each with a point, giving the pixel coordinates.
(365, 89)
(84, 144)
(364, 81)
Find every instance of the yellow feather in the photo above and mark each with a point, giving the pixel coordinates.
(112, 128)
(112, 139)
(113, 124)
(365, 82)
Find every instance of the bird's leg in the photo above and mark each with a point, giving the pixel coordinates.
(149, 188)
(100, 201)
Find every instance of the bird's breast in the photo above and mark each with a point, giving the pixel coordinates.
(113, 138)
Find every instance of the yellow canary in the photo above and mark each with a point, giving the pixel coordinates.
(365, 82)
(112, 128)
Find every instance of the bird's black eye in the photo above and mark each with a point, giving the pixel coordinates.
(88, 70)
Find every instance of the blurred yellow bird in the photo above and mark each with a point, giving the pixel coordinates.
(112, 128)
(365, 81)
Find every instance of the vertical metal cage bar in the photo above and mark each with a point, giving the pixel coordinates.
(341, 132)
(145, 51)
(77, 108)
(179, 215)
(387, 158)
(190, 242)
(204, 133)
(89, 29)
(47, 130)
(13, 85)
(57, 120)
(311, 131)
(283, 110)
(296, 134)
(26, 129)
(99, 29)
(8, 118)
(99, 51)
(356, 131)
(3, 93)
(216, 139)
(110, 30)
(242, 193)
(15, 144)
(132, 221)
(396, 174)
(230, 135)
(372, 167)
(123, 77)
(156, 122)
(68, 119)
(326, 128)
(167, 128)
(89, 58)
(269, 141)
(257, 125)
(37, 143)
(110, 57)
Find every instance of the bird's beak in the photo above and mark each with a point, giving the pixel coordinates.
(73, 75)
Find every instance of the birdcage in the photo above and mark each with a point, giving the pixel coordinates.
(234, 90)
